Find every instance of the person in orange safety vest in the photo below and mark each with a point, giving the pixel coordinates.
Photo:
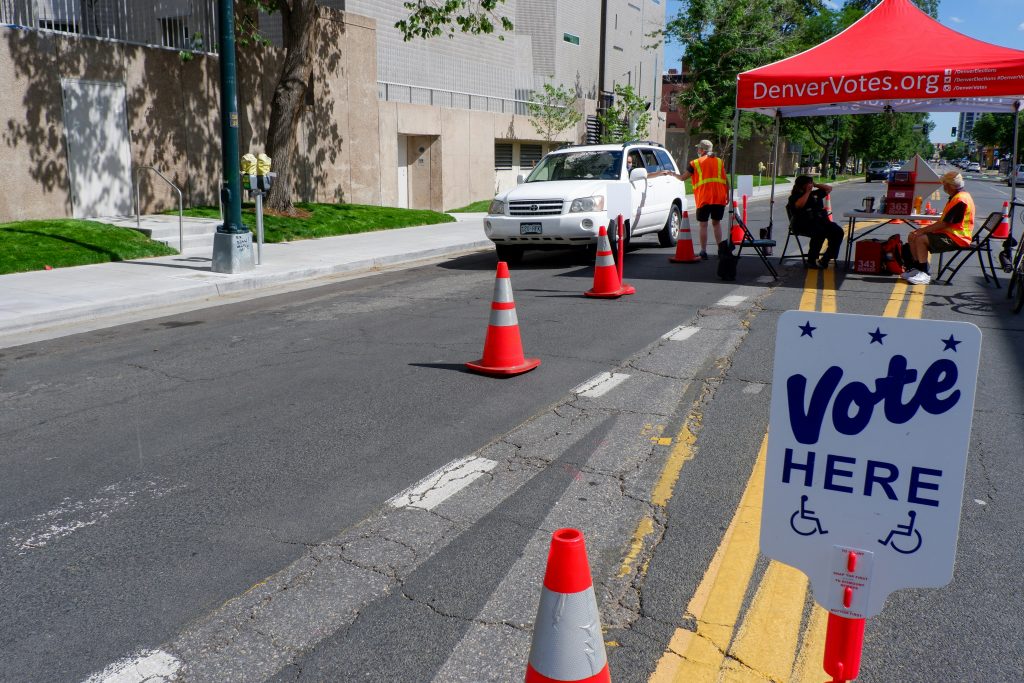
(951, 232)
(710, 192)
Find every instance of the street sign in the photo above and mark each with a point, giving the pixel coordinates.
(867, 447)
(745, 185)
(619, 201)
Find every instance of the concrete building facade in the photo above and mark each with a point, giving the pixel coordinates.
(425, 124)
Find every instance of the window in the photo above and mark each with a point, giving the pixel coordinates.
(174, 33)
(570, 38)
(502, 156)
(529, 155)
(650, 162)
(664, 160)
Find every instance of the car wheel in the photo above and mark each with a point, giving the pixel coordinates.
(508, 253)
(669, 235)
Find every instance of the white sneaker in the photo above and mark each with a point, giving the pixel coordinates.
(920, 279)
(907, 274)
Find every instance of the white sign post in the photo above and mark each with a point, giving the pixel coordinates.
(619, 202)
(867, 447)
(745, 185)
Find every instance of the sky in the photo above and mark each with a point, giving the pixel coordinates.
(995, 21)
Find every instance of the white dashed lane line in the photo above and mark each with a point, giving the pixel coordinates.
(443, 483)
(731, 301)
(681, 333)
(600, 384)
(149, 666)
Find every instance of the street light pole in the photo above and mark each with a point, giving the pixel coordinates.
(232, 243)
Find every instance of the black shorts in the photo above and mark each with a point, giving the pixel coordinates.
(712, 211)
(940, 241)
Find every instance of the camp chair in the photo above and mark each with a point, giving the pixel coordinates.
(981, 242)
(759, 246)
(796, 238)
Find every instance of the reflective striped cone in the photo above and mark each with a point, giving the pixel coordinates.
(606, 276)
(828, 205)
(503, 349)
(567, 641)
(1003, 231)
(684, 244)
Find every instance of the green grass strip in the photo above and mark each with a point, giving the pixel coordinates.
(33, 245)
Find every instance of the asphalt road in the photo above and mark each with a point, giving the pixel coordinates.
(215, 486)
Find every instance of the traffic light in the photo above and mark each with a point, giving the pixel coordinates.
(953, 132)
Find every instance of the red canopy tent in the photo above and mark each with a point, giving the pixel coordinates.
(924, 67)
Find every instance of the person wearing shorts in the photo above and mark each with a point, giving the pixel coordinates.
(710, 192)
(951, 232)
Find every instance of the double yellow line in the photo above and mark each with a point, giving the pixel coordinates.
(781, 635)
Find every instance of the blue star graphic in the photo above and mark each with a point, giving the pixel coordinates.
(806, 330)
(951, 343)
(877, 335)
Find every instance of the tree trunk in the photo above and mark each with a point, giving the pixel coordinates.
(299, 22)
(844, 155)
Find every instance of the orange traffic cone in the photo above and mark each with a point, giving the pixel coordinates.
(828, 206)
(1003, 231)
(503, 349)
(736, 234)
(684, 245)
(567, 641)
(928, 210)
(607, 284)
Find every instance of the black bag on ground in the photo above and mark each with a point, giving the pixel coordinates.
(726, 261)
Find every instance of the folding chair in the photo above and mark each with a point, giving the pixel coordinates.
(796, 238)
(757, 245)
(981, 242)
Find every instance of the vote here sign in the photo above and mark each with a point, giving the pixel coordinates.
(867, 447)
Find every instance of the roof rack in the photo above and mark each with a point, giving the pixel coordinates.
(642, 142)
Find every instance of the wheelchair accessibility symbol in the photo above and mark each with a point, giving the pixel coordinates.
(912, 537)
(805, 522)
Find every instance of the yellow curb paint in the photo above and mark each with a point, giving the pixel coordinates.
(809, 299)
(696, 657)
(681, 452)
(767, 640)
(828, 291)
(810, 662)
(662, 441)
(644, 529)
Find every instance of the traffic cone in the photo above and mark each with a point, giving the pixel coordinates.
(503, 349)
(928, 210)
(606, 276)
(828, 206)
(684, 245)
(736, 235)
(567, 642)
(1003, 231)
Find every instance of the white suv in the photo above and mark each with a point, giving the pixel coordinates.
(562, 202)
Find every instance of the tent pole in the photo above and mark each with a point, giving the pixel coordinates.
(1014, 161)
(775, 173)
(732, 173)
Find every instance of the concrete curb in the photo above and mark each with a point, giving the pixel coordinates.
(198, 292)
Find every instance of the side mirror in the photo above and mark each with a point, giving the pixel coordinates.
(637, 174)
(520, 179)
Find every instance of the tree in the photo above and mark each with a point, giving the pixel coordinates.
(627, 119)
(299, 26)
(724, 38)
(955, 150)
(994, 130)
(931, 7)
(553, 110)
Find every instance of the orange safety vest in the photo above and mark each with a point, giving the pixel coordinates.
(709, 182)
(960, 232)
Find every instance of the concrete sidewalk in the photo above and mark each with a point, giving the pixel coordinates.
(51, 303)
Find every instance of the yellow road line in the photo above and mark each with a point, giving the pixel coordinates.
(644, 529)
(828, 292)
(899, 291)
(681, 452)
(810, 666)
(809, 299)
(915, 302)
(696, 657)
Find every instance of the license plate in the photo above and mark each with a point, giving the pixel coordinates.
(530, 228)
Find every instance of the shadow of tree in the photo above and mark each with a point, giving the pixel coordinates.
(112, 255)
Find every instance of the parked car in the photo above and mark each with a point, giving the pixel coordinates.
(1020, 176)
(562, 203)
(974, 166)
(877, 170)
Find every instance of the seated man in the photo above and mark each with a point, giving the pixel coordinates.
(806, 209)
(951, 232)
